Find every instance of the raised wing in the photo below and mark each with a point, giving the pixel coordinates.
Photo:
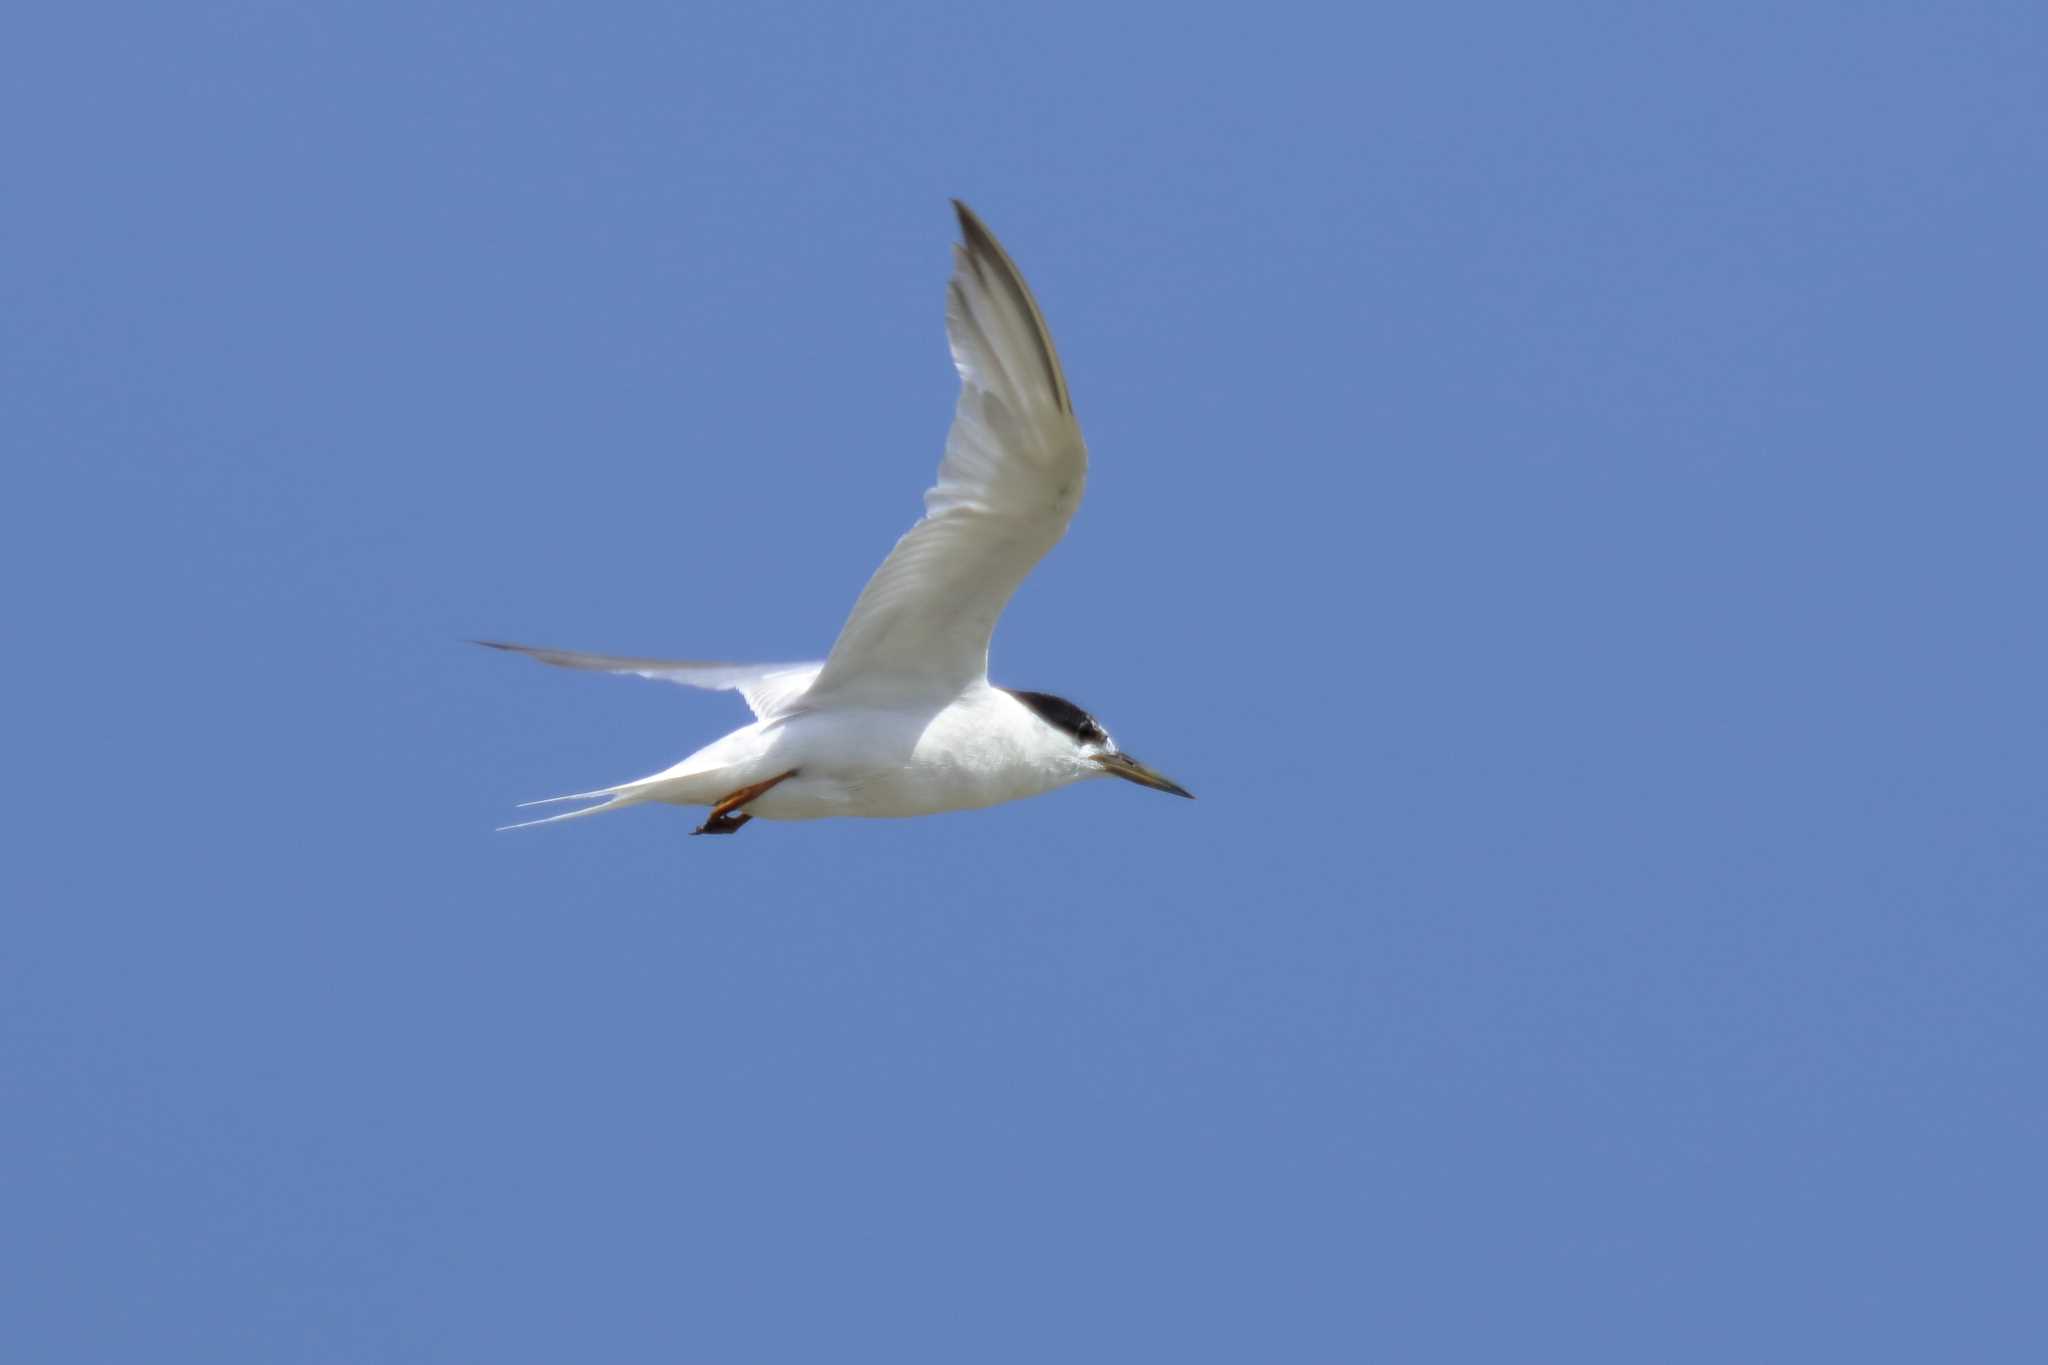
(770, 689)
(1011, 478)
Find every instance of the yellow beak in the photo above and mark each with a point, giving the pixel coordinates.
(1130, 770)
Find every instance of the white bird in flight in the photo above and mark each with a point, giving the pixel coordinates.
(900, 718)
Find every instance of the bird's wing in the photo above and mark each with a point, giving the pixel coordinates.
(1011, 478)
(770, 689)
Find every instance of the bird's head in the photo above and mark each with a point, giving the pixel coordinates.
(1094, 751)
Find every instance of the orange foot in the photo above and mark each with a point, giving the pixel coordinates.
(722, 820)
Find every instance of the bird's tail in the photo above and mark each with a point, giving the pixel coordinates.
(615, 798)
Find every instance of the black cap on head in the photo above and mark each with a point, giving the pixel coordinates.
(1062, 714)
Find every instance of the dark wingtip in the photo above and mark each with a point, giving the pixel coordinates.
(979, 239)
(982, 246)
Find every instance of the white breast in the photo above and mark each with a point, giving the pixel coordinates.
(983, 749)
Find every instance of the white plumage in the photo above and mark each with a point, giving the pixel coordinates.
(900, 718)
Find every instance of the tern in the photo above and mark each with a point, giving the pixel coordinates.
(900, 719)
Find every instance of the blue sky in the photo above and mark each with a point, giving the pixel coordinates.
(1568, 495)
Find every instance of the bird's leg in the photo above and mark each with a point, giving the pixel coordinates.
(722, 824)
(722, 820)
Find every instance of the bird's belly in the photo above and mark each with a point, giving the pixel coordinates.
(910, 772)
(887, 793)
